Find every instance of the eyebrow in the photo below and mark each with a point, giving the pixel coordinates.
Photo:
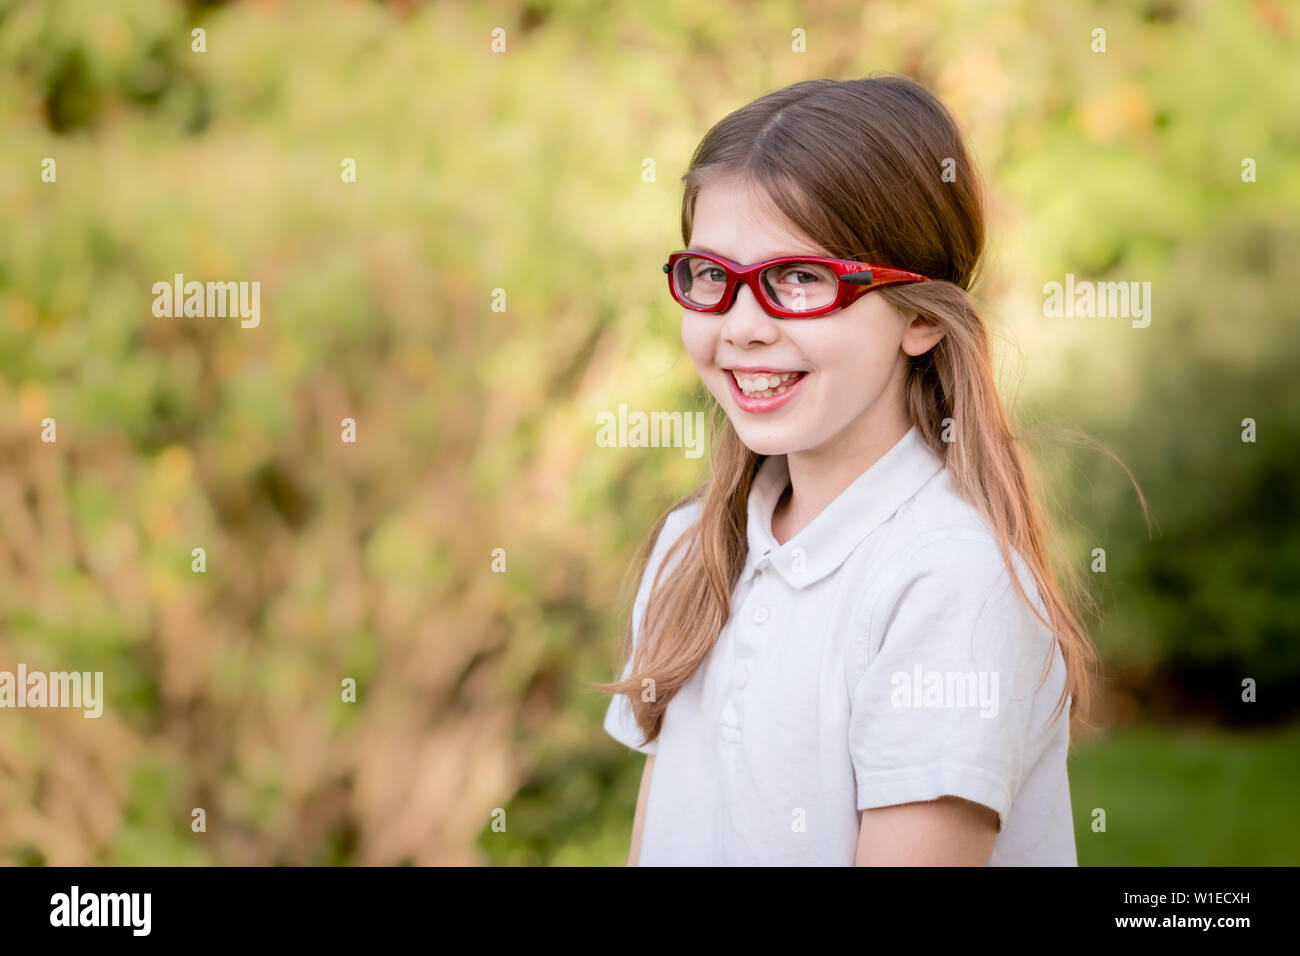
(713, 252)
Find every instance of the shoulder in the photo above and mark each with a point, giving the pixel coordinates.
(941, 567)
(952, 606)
(681, 518)
(676, 524)
(678, 521)
(938, 511)
(938, 534)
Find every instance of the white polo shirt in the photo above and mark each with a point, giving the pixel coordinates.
(880, 656)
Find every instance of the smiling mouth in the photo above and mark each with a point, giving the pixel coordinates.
(765, 384)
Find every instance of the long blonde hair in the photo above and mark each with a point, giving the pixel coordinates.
(858, 165)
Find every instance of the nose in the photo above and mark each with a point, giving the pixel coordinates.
(745, 322)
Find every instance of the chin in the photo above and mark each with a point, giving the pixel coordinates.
(763, 443)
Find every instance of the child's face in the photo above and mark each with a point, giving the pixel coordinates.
(853, 362)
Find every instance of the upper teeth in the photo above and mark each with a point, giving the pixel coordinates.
(761, 383)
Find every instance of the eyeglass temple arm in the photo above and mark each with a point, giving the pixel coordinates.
(866, 277)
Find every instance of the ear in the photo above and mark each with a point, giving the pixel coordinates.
(921, 335)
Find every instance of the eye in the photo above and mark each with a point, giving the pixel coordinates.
(802, 276)
(711, 273)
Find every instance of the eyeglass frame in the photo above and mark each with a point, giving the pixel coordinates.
(855, 279)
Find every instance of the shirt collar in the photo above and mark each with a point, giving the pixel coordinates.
(830, 538)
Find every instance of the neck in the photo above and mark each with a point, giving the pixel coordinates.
(819, 476)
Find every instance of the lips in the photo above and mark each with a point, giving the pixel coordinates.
(760, 390)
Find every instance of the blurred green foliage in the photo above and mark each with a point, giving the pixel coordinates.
(476, 427)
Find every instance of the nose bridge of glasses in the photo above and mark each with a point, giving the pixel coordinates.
(760, 289)
(755, 309)
(742, 275)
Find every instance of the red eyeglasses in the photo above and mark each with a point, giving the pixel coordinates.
(792, 287)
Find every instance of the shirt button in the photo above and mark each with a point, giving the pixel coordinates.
(760, 615)
(743, 678)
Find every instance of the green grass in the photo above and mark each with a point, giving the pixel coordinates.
(1188, 798)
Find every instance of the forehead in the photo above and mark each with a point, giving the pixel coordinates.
(734, 218)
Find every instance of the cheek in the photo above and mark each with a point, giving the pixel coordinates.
(700, 338)
(865, 348)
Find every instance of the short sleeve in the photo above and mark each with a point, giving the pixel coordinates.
(619, 720)
(948, 702)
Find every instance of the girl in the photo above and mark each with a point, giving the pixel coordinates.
(847, 646)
